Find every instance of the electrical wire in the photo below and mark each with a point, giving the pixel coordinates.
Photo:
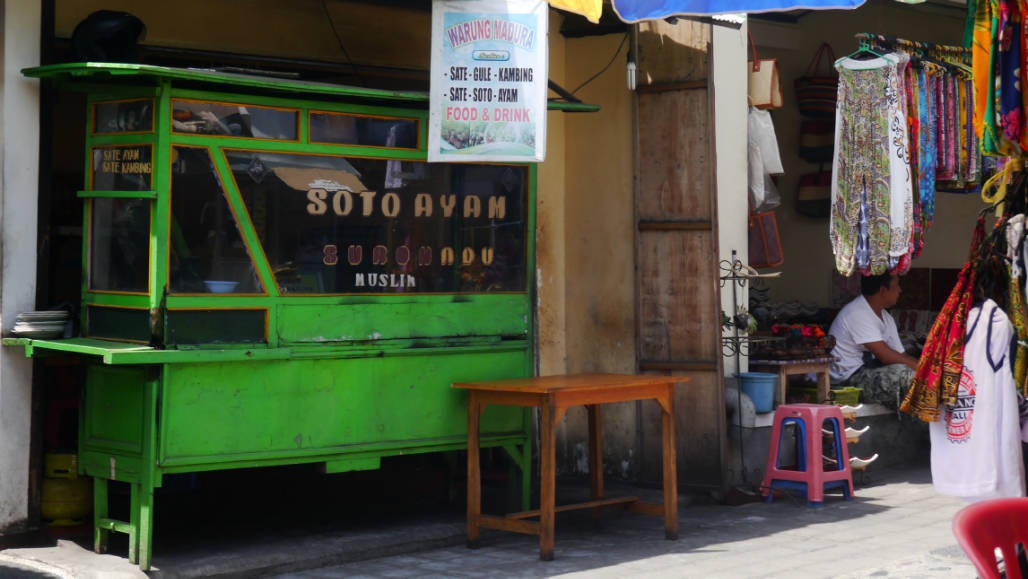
(339, 39)
(604, 69)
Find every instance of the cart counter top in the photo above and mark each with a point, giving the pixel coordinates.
(118, 353)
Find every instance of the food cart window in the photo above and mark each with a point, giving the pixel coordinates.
(207, 252)
(335, 225)
(119, 244)
(234, 120)
(217, 326)
(132, 324)
(122, 168)
(371, 131)
(125, 116)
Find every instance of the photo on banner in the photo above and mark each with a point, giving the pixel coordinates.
(488, 81)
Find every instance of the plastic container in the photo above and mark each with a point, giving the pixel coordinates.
(849, 395)
(760, 387)
(220, 287)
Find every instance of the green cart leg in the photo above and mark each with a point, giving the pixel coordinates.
(133, 549)
(145, 529)
(100, 535)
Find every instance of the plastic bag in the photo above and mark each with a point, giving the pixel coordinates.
(764, 161)
(762, 135)
(764, 194)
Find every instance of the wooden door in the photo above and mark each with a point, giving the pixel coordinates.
(677, 296)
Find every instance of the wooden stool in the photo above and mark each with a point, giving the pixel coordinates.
(810, 474)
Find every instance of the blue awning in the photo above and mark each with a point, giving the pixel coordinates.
(639, 10)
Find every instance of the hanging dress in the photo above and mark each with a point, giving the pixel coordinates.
(866, 167)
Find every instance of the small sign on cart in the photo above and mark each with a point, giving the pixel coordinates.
(489, 81)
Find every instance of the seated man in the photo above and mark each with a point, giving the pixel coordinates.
(868, 353)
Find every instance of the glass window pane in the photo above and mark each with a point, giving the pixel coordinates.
(119, 244)
(234, 120)
(217, 326)
(330, 224)
(394, 133)
(118, 323)
(122, 168)
(133, 116)
(208, 254)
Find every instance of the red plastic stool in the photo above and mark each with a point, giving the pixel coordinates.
(809, 474)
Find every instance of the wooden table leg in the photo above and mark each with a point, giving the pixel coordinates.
(547, 480)
(670, 468)
(823, 387)
(474, 472)
(595, 454)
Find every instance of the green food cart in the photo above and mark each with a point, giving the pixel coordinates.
(274, 275)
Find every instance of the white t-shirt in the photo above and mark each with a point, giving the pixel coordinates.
(976, 444)
(855, 326)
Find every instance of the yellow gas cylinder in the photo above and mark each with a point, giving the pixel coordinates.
(66, 497)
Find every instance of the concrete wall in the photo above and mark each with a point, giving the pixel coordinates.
(599, 240)
(808, 256)
(730, 129)
(19, 180)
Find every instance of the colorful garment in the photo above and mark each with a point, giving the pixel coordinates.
(863, 167)
(913, 128)
(1008, 98)
(901, 209)
(926, 154)
(1009, 101)
(985, 24)
(939, 369)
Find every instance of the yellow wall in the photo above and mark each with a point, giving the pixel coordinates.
(808, 256)
(599, 223)
(372, 35)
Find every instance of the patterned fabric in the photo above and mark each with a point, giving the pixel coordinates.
(900, 183)
(985, 24)
(885, 385)
(860, 226)
(938, 371)
(913, 128)
(926, 153)
(974, 156)
(1009, 100)
(1016, 311)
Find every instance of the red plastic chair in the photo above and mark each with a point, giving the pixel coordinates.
(983, 527)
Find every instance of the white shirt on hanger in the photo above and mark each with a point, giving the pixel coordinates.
(976, 444)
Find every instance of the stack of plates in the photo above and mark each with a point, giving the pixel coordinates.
(45, 324)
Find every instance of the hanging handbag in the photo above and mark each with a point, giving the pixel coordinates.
(814, 194)
(817, 140)
(765, 246)
(817, 89)
(765, 88)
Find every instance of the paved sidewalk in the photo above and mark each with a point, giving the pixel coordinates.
(895, 527)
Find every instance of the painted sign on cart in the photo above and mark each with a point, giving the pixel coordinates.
(489, 81)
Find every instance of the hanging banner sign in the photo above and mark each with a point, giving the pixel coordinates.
(489, 81)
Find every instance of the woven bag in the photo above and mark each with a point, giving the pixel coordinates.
(816, 90)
